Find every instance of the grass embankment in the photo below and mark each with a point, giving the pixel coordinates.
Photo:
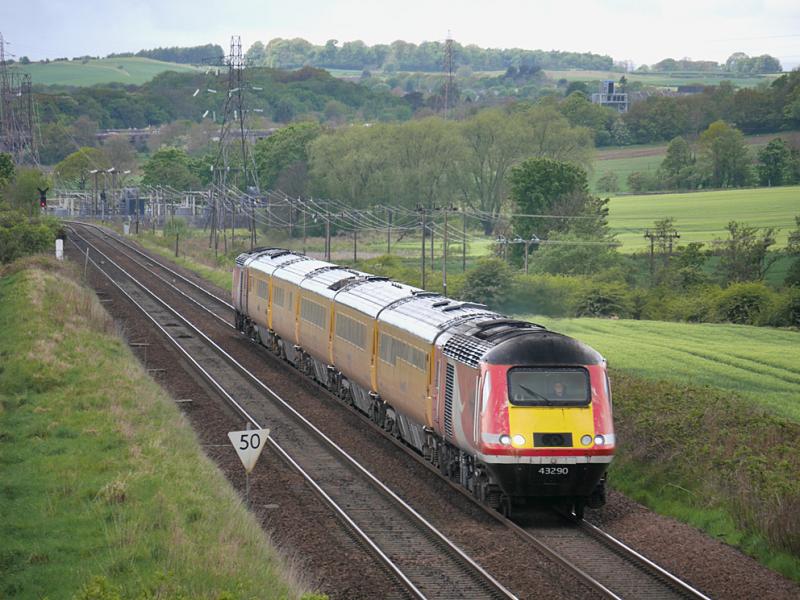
(709, 426)
(104, 487)
(130, 70)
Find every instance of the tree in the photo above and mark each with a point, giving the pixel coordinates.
(724, 156)
(608, 183)
(74, 169)
(493, 143)
(775, 164)
(540, 185)
(677, 170)
(581, 112)
(490, 282)
(793, 250)
(120, 153)
(286, 152)
(22, 192)
(170, 167)
(744, 255)
(7, 170)
(350, 164)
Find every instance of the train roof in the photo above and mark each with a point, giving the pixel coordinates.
(426, 315)
(327, 281)
(470, 332)
(370, 295)
(266, 260)
(542, 348)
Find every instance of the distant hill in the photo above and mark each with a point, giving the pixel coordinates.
(85, 72)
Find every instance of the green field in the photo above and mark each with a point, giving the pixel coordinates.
(624, 167)
(702, 216)
(133, 70)
(661, 79)
(105, 490)
(758, 363)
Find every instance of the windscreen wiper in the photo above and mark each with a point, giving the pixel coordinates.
(535, 394)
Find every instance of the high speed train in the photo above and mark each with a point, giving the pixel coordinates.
(514, 412)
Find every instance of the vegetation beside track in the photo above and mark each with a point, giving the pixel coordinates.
(714, 460)
(105, 492)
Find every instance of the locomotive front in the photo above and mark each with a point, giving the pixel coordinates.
(546, 424)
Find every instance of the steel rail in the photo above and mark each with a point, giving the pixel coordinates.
(494, 584)
(115, 236)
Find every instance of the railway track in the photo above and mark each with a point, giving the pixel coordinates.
(423, 561)
(599, 560)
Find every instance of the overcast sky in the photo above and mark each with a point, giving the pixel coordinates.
(643, 31)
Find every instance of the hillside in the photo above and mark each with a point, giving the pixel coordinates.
(128, 70)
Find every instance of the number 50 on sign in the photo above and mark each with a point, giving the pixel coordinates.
(249, 445)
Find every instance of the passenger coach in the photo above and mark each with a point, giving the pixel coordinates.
(514, 412)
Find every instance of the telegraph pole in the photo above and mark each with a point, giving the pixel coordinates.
(446, 209)
(422, 213)
(389, 233)
(652, 237)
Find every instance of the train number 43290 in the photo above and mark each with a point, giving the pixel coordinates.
(554, 471)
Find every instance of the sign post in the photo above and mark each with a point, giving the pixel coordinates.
(248, 445)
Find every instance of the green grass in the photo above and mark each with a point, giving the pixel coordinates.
(757, 363)
(132, 70)
(702, 216)
(101, 475)
(623, 167)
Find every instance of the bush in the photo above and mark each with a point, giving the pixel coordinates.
(793, 274)
(785, 310)
(602, 300)
(608, 183)
(20, 236)
(643, 182)
(489, 283)
(744, 303)
(545, 294)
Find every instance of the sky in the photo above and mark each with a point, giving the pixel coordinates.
(641, 31)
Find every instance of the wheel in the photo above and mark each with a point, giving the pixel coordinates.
(577, 509)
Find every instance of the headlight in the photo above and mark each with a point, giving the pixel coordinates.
(586, 440)
(519, 440)
(505, 440)
(599, 440)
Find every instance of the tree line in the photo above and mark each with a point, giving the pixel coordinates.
(406, 56)
(207, 54)
(737, 63)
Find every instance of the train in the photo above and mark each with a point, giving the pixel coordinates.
(515, 413)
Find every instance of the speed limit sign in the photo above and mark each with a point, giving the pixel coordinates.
(249, 445)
